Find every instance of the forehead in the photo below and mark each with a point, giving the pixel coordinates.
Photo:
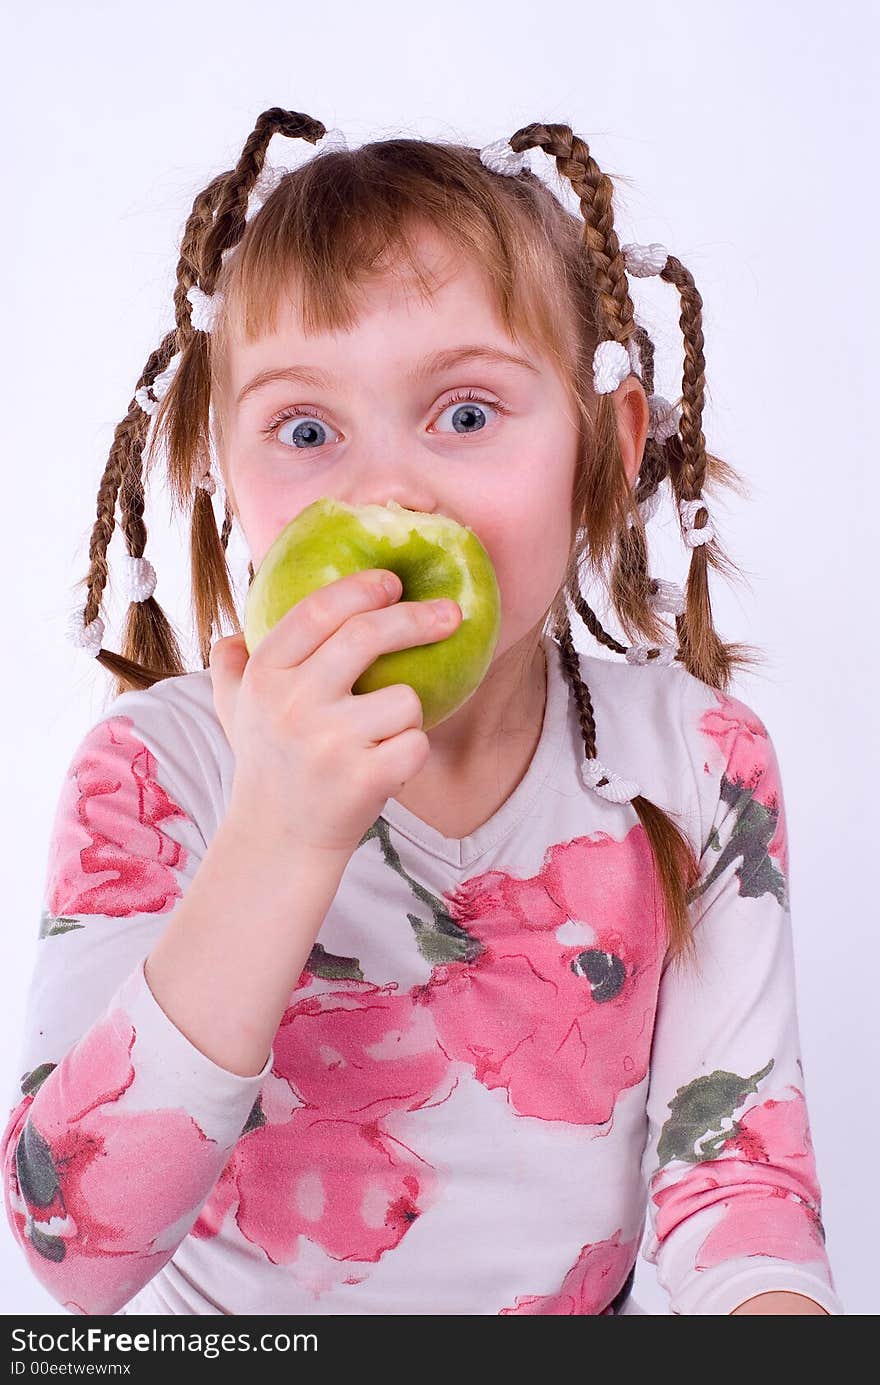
(403, 310)
(437, 284)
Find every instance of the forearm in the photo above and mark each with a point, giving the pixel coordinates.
(225, 966)
(779, 1303)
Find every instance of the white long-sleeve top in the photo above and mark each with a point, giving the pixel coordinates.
(488, 1073)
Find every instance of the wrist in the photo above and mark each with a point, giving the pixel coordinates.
(238, 833)
(779, 1302)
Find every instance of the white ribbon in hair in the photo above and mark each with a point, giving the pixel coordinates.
(638, 654)
(138, 578)
(617, 790)
(688, 510)
(88, 637)
(669, 596)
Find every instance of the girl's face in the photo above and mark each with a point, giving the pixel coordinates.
(383, 423)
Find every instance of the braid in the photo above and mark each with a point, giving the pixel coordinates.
(228, 226)
(674, 856)
(614, 318)
(707, 657)
(216, 223)
(227, 525)
(201, 257)
(568, 657)
(631, 585)
(147, 636)
(683, 459)
(594, 191)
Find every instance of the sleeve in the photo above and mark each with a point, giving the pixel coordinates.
(734, 1202)
(121, 1127)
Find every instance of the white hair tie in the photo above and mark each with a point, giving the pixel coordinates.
(611, 366)
(688, 510)
(617, 790)
(668, 597)
(88, 637)
(500, 158)
(159, 386)
(205, 307)
(139, 578)
(638, 654)
(665, 418)
(644, 260)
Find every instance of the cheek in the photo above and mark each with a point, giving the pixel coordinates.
(262, 519)
(529, 546)
(265, 508)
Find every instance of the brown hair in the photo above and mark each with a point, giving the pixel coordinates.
(558, 279)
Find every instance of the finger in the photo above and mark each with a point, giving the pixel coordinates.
(227, 661)
(399, 758)
(375, 716)
(340, 661)
(305, 627)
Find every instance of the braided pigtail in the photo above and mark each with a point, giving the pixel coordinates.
(175, 388)
(150, 649)
(704, 654)
(616, 522)
(184, 417)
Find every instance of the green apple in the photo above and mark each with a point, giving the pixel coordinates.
(432, 555)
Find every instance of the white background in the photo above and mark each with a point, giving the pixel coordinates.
(742, 138)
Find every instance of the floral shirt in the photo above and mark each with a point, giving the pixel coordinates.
(488, 1074)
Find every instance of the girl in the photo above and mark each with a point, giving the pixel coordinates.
(332, 1015)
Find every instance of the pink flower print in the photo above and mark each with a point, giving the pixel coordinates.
(769, 1168)
(109, 852)
(332, 1171)
(344, 1183)
(590, 1285)
(563, 1026)
(359, 1049)
(88, 1188)
(750, 761)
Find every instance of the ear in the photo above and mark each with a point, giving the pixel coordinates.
(633, 421)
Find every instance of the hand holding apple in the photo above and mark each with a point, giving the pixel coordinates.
(432, 555)
(314, 765)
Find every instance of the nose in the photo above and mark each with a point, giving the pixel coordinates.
(391, 474)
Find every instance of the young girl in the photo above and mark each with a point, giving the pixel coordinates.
(333, 1015)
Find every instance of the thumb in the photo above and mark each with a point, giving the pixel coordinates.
(227, 661)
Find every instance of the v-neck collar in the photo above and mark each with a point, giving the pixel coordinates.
(462, 851)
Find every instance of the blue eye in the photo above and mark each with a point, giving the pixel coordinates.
(467, 407)
(310, 431)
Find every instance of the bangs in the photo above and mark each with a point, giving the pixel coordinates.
(344, 219)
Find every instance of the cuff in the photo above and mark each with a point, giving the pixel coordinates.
(718, 1291)
(170, 1072)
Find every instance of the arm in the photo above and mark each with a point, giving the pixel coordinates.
(225, 965)
(733, 1195)
(123, 1122)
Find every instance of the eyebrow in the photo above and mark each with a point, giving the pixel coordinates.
(434, 364)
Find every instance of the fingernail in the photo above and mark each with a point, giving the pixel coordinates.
(392, 584)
